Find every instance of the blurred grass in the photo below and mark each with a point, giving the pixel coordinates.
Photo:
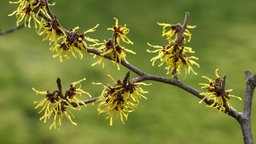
(224, 39)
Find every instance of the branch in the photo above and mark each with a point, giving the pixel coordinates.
(22, 25)
(58, 81)
(88, 101)
(184, 26)
(48, 9)
(143, 76)
(180, 39)
(13, 29)
(250, 85)
(124, 63)
(245, 119)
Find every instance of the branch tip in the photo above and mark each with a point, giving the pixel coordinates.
(247, 75)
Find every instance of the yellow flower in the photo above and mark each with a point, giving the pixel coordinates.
(52, 32)
(216, 92)
(175, 58)
(117, 53)
(170, 30)
(113, 48)
(57, 105)
(120, 32)
(74, 44)
(123, 97)
(187, 32)
(72, 94)
(66, 43)
(174, 54)
(28, 10)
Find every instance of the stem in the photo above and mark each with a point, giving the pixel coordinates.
(48, 9)
(180, 39)
(13, 29)
(58, 81)
(223, 93)
(184, 26)
(174, 82)
(125, 64)
(245, 119)
(88, 101)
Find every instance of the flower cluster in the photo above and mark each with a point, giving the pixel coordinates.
(58, 106)
(123, 97)
(28, 10)
(216, 92)
(174, 54)
(65, 43)
(70, 43)
(113, 47)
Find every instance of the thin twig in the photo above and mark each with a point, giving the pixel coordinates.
(223, 93)
(48, 9)
(13, 29)
(124, 63)
(58, 81)
(180, 39)
(88, 101)
(184, 26)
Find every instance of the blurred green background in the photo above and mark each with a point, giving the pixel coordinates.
(224, 39)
